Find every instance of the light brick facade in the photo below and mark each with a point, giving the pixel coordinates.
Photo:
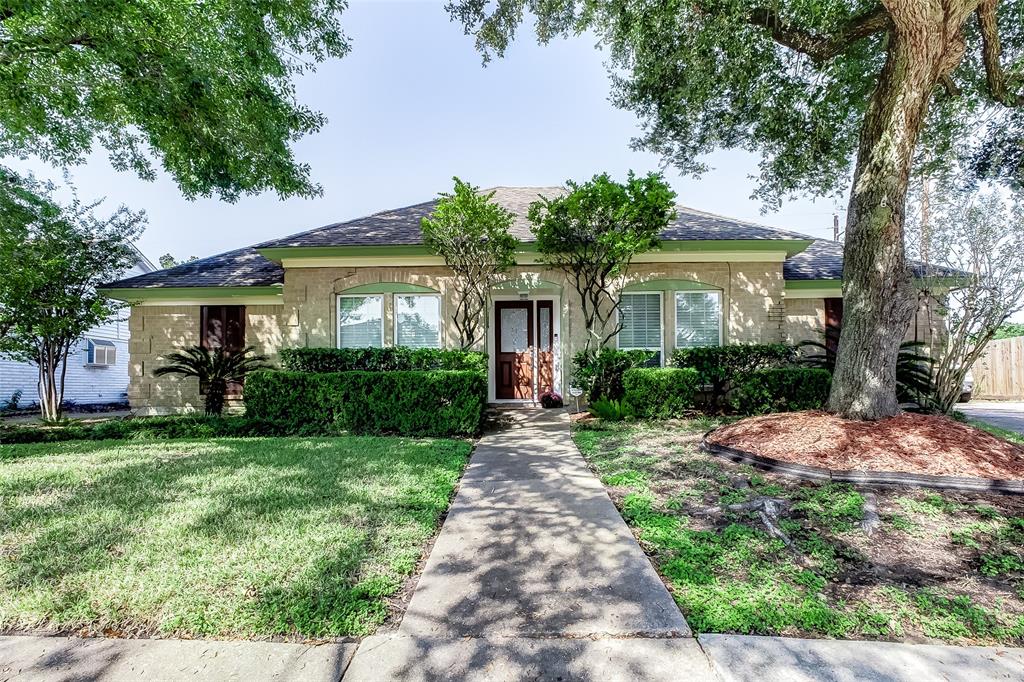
(754, 303)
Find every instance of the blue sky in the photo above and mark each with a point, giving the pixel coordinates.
(410, 107)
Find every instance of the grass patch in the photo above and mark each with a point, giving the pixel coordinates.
(729, 574)
(302, 537)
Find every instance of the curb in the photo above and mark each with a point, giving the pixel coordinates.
(884, 478)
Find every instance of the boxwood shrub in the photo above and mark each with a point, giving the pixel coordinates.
(722, 368)
(784, 389)
(599, 373)
(414, 403)
(660, 392)
(390, 359)
(147, 428)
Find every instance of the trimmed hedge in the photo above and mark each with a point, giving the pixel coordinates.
(148, 428)
(660, 392)
(725, 367)
(414, 403)
(785, 389)
(390, 359)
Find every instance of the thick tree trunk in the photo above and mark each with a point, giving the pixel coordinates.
(924, 45)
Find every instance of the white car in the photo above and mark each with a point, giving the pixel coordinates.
(968, 387)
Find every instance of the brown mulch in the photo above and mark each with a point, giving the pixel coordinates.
(908, 443)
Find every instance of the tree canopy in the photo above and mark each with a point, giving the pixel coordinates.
(789, 80)
(592, 234)
(471, 232)
(205, 89)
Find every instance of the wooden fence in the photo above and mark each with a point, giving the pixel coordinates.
(999, 372)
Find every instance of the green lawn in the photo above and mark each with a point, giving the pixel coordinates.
(224, 537)
(945, 567)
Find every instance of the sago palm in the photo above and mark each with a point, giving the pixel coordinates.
(214, 369)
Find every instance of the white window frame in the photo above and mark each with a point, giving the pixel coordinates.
(337, 314)
(440, 317)
(661, 321)
(93, 346)
(721, 314)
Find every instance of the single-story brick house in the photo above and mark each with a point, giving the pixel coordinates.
(371, 282)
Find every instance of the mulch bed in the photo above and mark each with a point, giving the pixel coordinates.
(909, 443)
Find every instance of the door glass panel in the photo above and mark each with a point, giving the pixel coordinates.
(544, 342)
(513, 330)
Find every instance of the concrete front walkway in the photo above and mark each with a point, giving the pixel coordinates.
(534, 576)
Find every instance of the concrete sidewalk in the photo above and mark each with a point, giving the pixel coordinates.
(60, 659)
(739, 658)
(534, 576)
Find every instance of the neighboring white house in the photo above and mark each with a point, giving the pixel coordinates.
(97, 366)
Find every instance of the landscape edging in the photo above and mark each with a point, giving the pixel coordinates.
(887, 478)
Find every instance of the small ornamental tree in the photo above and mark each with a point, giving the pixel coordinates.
(471, 232)
(593, 232)
(979, 234)
(52, 257)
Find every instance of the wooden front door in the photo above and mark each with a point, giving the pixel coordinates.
(513, 343)
(833, 325)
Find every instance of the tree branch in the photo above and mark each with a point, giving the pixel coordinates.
(820, 47)
(991, 52)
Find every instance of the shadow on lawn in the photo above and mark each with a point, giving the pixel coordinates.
(183, 495)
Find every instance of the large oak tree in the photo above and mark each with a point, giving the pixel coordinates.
(205, 89)
(814, 86)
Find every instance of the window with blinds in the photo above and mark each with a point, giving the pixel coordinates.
(698, 318)
(360, 321)
(418, 321)
(640, 315)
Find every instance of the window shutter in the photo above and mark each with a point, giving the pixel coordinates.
(698, 318)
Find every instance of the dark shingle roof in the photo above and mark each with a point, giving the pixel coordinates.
(401, 227)
(693, 224)
(240, 268)
(823, 259)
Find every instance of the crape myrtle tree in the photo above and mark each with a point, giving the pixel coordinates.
(592, 234)
(813, 86)
(53, 256)
(471, 232)
(204, 89)
(977, 233)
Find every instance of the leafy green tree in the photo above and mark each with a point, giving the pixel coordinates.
(814, 86)
(53, 256)
(204, 88)
(471, 232)
(592, 234)
(169, 261)
(214, 369)
(1009, 330)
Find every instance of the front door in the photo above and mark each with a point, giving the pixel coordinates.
(513, 342)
